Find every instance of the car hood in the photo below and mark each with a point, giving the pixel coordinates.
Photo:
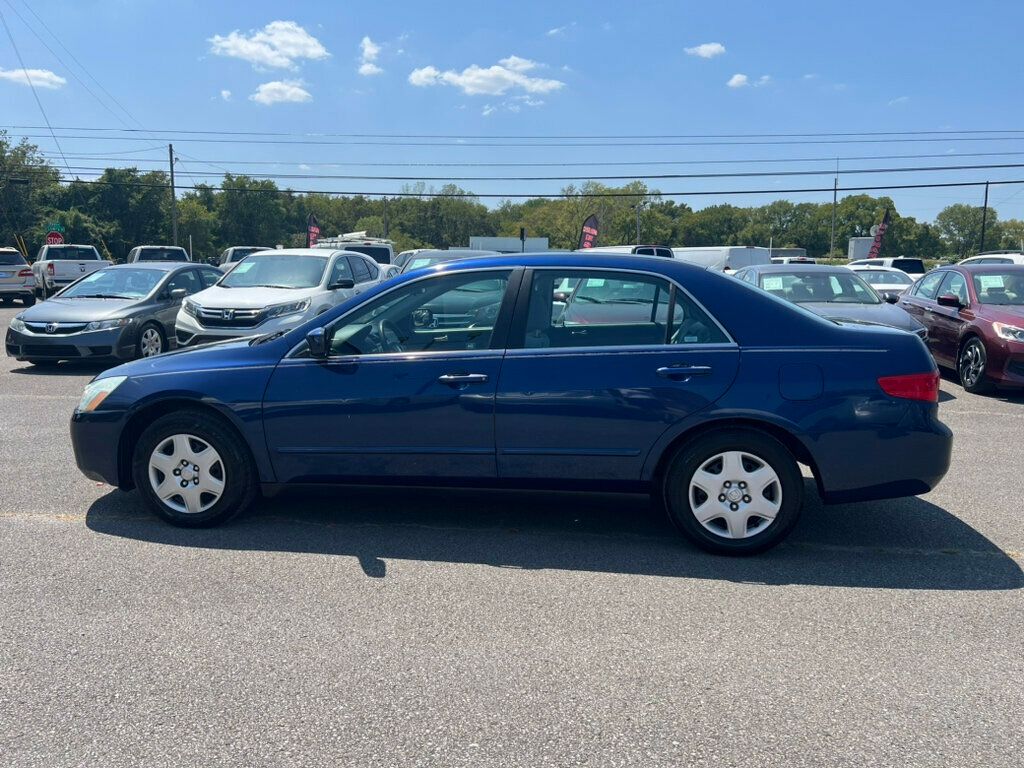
(874, 314)
(250, 298)
(1002, 313)
(58, 310)
(209, 357)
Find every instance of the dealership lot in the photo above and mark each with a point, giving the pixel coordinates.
(404, 628)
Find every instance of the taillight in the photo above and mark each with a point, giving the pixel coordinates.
(50, 269)
(25, 273)
(913, 386)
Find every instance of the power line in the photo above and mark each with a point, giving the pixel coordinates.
(28, 78)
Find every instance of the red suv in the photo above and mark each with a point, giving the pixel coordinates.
(975, 319)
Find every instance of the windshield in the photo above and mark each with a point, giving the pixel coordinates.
(1004, 288)
(54, 253)
(878, 277)
(378, 253)
(117, 283)
(815, 287)
(8, 259)
(162, 254)
(277, 271)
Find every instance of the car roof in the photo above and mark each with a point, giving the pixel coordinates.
(569, 260)
(434, 253)
(986, 267)
(321, 252)
(797, 267)
(873, 268)
(159, 266)
(164, 247)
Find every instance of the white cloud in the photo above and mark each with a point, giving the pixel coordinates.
(738, 81)
(899, 100)
(279, 45)
(488, 110)
(368, 53)
(763, 80)
(40, 78)
(560, 31)
(281, 91)
(508, 74)
(706, 50)
(225, 94)
(810, 76)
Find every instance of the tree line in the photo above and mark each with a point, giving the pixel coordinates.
(126, 207)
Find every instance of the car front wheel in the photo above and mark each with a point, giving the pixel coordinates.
(193, 470)
(971, 367)
(734, 491)
(151, 341)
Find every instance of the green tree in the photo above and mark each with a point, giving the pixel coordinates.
(27, 183)
(959, 226)
(249, 212)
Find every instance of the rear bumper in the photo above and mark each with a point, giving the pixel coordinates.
(24, 289)
(96, 439)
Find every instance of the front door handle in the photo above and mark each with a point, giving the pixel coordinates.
(683, 372)
(461, 379)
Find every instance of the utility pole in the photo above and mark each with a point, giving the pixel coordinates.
(835, 198)
(984, 220)
(174, 198)
(637, 207)
(385, 216)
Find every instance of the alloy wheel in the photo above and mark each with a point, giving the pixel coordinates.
(735, 495)
(972, 363)
(187, 474)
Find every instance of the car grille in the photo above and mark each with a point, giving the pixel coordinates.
(60, 329)
(49, 350)
(211, 317)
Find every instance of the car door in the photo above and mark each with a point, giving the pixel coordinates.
(947, 322)
(919, 300)
(584, 394)
(167, 308)
(397, 396)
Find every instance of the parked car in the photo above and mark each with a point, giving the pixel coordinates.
(431, 258)
(885, 280)
(637, 250)
(913, 267)
(230, 256)
(975, 319)
(16, 278)
(379, 249)
(793, 260)
(121, 312)
(274, 291)
(715, 429)
(59, 265)
(995, 257)
(835, 293)
(157, 253)
(403, 258)
(724, 258)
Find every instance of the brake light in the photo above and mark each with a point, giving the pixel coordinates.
(913, 386)
(25, 273)
(50, 269)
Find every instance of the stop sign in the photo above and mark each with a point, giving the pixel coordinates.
(54, 238)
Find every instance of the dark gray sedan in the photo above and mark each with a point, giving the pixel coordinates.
(121, 312)
(835, 293)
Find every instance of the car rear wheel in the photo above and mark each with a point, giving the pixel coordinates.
(28, 301)
(151, 340)
(193, 470)
(971, 367)
(734, 491)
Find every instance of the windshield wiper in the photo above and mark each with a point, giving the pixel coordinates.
(266, 337)
(591, 299)
(101, 296)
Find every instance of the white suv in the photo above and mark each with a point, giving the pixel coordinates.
(996, 257)
(913, 267)
(274, 291)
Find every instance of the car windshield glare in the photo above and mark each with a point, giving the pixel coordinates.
(819, 288)
(277, 271)
(1002, 288)
(115, 283)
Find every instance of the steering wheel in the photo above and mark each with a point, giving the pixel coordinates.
(389, 339)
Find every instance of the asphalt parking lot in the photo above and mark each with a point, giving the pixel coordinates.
(386, 628)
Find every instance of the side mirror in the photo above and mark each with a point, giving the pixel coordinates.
(949, 300)
(343, 284)
(316, 339)
(890, 298)
(178, 294)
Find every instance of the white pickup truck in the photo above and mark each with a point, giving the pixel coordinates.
(59, 265)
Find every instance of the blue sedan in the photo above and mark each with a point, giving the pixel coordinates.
(694, 386)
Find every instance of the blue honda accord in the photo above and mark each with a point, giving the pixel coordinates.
(575, 371)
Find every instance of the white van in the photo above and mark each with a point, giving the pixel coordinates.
(725, 258)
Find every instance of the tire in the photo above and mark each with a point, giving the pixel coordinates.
(28, 301)
(152, 341)
(970, 365)
(740, 455)
(43, 293)
(189, 434)
(4, 301)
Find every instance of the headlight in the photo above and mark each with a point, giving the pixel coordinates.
(287, 309)
(17, 324)
(96, 392)
(191, 308)
(1003, 331)
(106, 325)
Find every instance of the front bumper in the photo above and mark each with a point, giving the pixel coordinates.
(115, 342)
(189, 331)
(1006, 362)
(96, 440)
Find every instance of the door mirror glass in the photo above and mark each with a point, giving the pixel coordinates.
(949, 300)
(343, 284)
(316, 339)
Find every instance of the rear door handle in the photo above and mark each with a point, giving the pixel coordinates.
(683, 372)
(460, 379)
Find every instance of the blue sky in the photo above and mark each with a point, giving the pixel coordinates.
(527, 69)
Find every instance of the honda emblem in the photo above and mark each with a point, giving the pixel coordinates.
(51, 327)
(229, 314)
